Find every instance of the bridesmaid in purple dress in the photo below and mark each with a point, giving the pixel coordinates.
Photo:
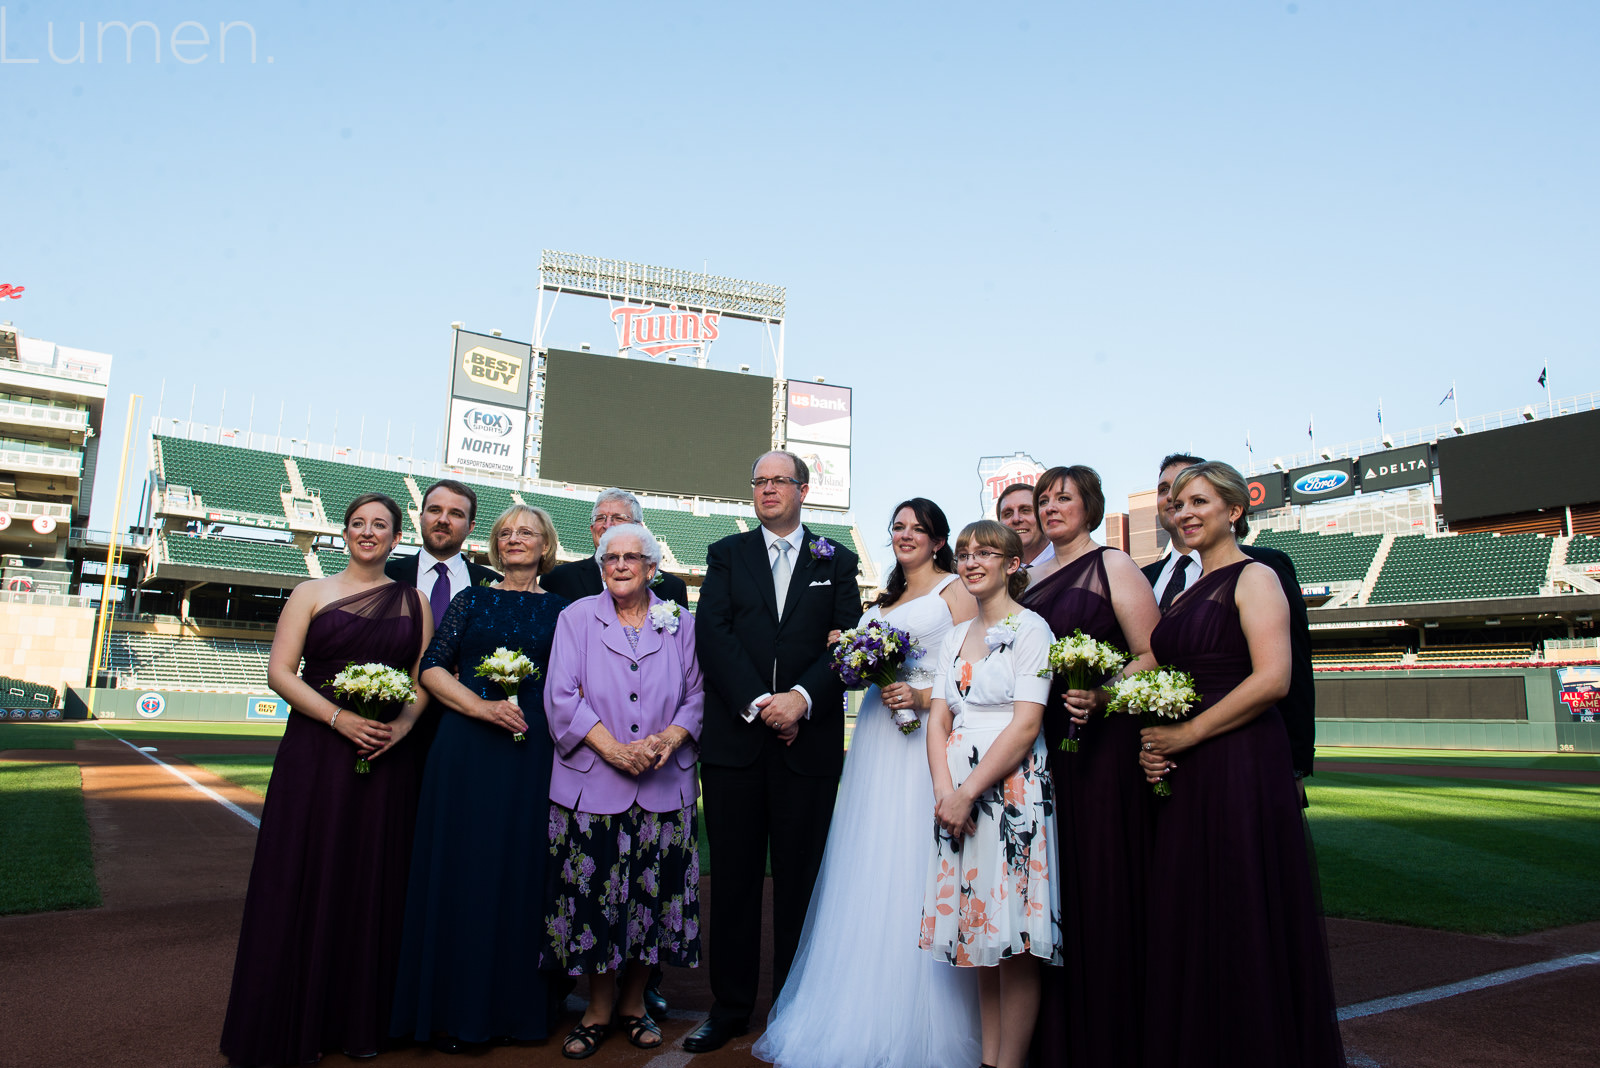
(1237, 964)
(1090, 1008)
(320, 941)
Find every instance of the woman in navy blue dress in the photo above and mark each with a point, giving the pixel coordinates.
(1237, 971)
(475, 905)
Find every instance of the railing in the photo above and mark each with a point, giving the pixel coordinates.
(34, 509)
(1572, 643)
(79, 538)
(43, 415)
(101, 377)
(193, 621)
(1375, 514)
(1493, 421)
(58, 600)
(65, 463)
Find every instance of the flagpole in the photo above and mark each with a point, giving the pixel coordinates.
(1548, 402)
(1455, 401)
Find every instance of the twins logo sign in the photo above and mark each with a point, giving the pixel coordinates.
(151, 705)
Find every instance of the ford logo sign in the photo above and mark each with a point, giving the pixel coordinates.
(485, 421)
(1320, 482)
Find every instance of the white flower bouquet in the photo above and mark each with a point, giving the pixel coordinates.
(1154, 696)
(1084, 663)
(508, 667)
(369, 688)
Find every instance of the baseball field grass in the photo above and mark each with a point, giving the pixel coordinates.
(45, 858)
(1481, 856)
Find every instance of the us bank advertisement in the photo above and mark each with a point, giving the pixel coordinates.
(487, 423)
(819, 433)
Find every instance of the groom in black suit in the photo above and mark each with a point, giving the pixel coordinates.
(1299, 706)
(772, 743)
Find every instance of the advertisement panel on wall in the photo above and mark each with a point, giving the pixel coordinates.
(1580, 692)
(1266, 491)
(996, 473)
(830, 474)
(1322, 482)
(485, 436)
(1394, 468)
(486, 427)
(819, 413)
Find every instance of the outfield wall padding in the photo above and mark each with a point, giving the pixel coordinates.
(153, 705)
(1517, 709)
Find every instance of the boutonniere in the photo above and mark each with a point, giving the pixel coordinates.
(664, 616)
(822, 549)
(486, 582)
(1003, 633)
(661, 576)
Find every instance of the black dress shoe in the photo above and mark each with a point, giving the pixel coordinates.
(654, 1003)
(447, 1044)
(713, 1034)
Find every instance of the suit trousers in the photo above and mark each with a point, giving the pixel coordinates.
(748, 810)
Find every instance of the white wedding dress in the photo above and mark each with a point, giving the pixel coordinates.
(860, 993)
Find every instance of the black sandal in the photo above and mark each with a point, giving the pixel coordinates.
(588, 1038)
(636, 1027)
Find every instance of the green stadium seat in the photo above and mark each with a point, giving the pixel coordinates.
(1324, 559)
(186, 662)
(1462, 567)
(226, 478)
(235, 554)
(338, 484)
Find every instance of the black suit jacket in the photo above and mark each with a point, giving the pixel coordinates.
(581, 578)
(1299, 706)
(403, 569)
(745, 650)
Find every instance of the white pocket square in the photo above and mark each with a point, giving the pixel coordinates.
(823, 582)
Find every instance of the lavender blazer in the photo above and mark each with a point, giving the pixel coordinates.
(596, 677)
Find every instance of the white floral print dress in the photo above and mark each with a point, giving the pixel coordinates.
(996, 896)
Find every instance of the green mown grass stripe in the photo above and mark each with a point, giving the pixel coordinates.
(45, 858)
(66, 735)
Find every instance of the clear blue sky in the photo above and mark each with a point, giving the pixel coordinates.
(1093, 232)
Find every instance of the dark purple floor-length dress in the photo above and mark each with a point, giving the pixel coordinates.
(320, 940)
(1090, 1007)
(1237, 970)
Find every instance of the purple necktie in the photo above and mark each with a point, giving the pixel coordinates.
(439, 599)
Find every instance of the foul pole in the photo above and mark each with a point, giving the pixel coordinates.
(111, 555)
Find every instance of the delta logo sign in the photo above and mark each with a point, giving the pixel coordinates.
(654, 330)
(1320, 482)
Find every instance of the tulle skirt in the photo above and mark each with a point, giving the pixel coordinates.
(861, 992)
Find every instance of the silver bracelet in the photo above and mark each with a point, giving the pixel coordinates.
(334, 718)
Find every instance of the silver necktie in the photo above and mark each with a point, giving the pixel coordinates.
(780, 574)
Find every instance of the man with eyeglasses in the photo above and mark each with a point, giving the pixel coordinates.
(581, 578)
(772, 744)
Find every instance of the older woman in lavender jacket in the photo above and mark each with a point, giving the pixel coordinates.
(624, 702)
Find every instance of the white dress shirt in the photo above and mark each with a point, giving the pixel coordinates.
(1167, 569)
(797, 541)
(1044, 557)
(460, 577)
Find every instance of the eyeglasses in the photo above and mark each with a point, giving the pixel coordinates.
(982, 556)
(613, 559)
(610, 520)
(776, 483)
(521, 533)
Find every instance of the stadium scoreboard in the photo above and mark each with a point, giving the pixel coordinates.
(1544, 464)
(656, 428)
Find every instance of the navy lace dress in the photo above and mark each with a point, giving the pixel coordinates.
(1090, 1008)
(469, 964)
(1237, 971)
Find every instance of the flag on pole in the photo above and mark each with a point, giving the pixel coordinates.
(1544, 374)
(1448, 396)
(1310, 425)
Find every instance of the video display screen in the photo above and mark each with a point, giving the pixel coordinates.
(1549, 463)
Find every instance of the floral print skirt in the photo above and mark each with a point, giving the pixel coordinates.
(996, 895)
(621, 888)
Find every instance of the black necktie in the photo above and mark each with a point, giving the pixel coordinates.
(1175, 585)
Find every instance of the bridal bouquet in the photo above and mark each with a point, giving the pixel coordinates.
(1154, 696)
(508, 667)
(1084, 662)
(872, 655)
(370, 687)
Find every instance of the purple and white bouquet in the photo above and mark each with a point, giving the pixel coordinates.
(1154, 696)
(1083, 662)
(872, 655)
(370, 688)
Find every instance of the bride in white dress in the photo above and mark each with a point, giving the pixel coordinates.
(860, 993)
